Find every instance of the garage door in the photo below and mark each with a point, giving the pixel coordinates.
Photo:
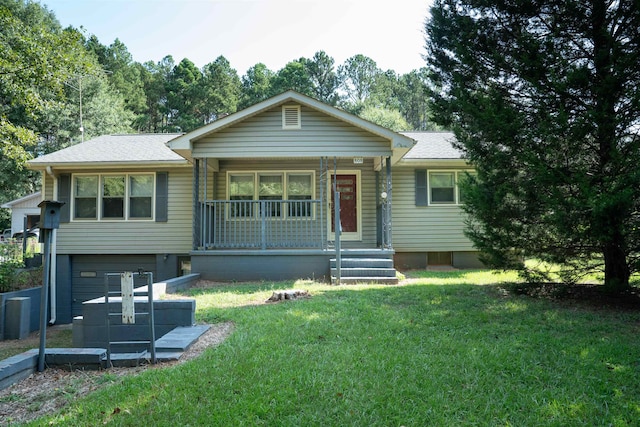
(88, 272)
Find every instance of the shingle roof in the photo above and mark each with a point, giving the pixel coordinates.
(115, 149)
(432, 145)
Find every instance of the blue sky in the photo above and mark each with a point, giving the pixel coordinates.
(246, 32)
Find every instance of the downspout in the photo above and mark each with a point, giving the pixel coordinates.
(52, 279)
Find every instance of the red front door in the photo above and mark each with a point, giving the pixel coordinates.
(348, 203)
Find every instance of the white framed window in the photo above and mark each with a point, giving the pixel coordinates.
(85, 197)
(113, 197)
(291, 117)
(299, 188)
(241, 188)
(442, 187)
(286, 193)
(270, 188)
(141, 196)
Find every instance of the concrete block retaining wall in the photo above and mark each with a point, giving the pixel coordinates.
(17, 368)
(168, 315)
(89, 330)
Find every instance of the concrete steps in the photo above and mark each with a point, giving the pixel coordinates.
(366, 269)
(169, 347)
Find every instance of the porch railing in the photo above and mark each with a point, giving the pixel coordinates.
(262, 224)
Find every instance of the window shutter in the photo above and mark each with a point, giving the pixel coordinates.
(64, 195)
(162, 196)
(421, 188)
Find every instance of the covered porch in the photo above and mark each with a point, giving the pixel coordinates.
(259, 208)
(267, 182)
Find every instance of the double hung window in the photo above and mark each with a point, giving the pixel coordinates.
(442, 187)
(270, 188)
(241, 189)
(299, 188)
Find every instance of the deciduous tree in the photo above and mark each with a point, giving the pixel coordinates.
(389, 118)
(36, 58)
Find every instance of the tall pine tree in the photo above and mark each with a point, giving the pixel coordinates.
(544, 99)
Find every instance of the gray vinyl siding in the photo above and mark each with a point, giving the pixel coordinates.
(262, 136)
(137, 237)
(367, 176)
(431, 228)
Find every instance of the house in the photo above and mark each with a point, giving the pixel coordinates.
(250, 197)
(24, 209)
(427, 219)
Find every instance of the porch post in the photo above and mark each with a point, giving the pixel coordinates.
(387, 239)
(196, 204)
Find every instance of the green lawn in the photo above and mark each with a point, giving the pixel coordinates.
(447, 349)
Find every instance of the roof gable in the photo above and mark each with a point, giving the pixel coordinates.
(184, 144)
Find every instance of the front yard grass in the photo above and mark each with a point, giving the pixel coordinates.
(446, 349)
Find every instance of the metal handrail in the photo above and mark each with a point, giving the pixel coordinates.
(151, 342)
(262, 224)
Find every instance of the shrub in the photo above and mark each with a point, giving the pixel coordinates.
(8, 273)
(12, 274)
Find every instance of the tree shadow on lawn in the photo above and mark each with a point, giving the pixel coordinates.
(577, 294)
(584, 294)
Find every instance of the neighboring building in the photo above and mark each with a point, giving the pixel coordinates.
(249, 197)
(24, 208)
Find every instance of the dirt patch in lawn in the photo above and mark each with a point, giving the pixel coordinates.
(44, 393)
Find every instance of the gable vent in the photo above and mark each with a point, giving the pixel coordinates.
(291, 117)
